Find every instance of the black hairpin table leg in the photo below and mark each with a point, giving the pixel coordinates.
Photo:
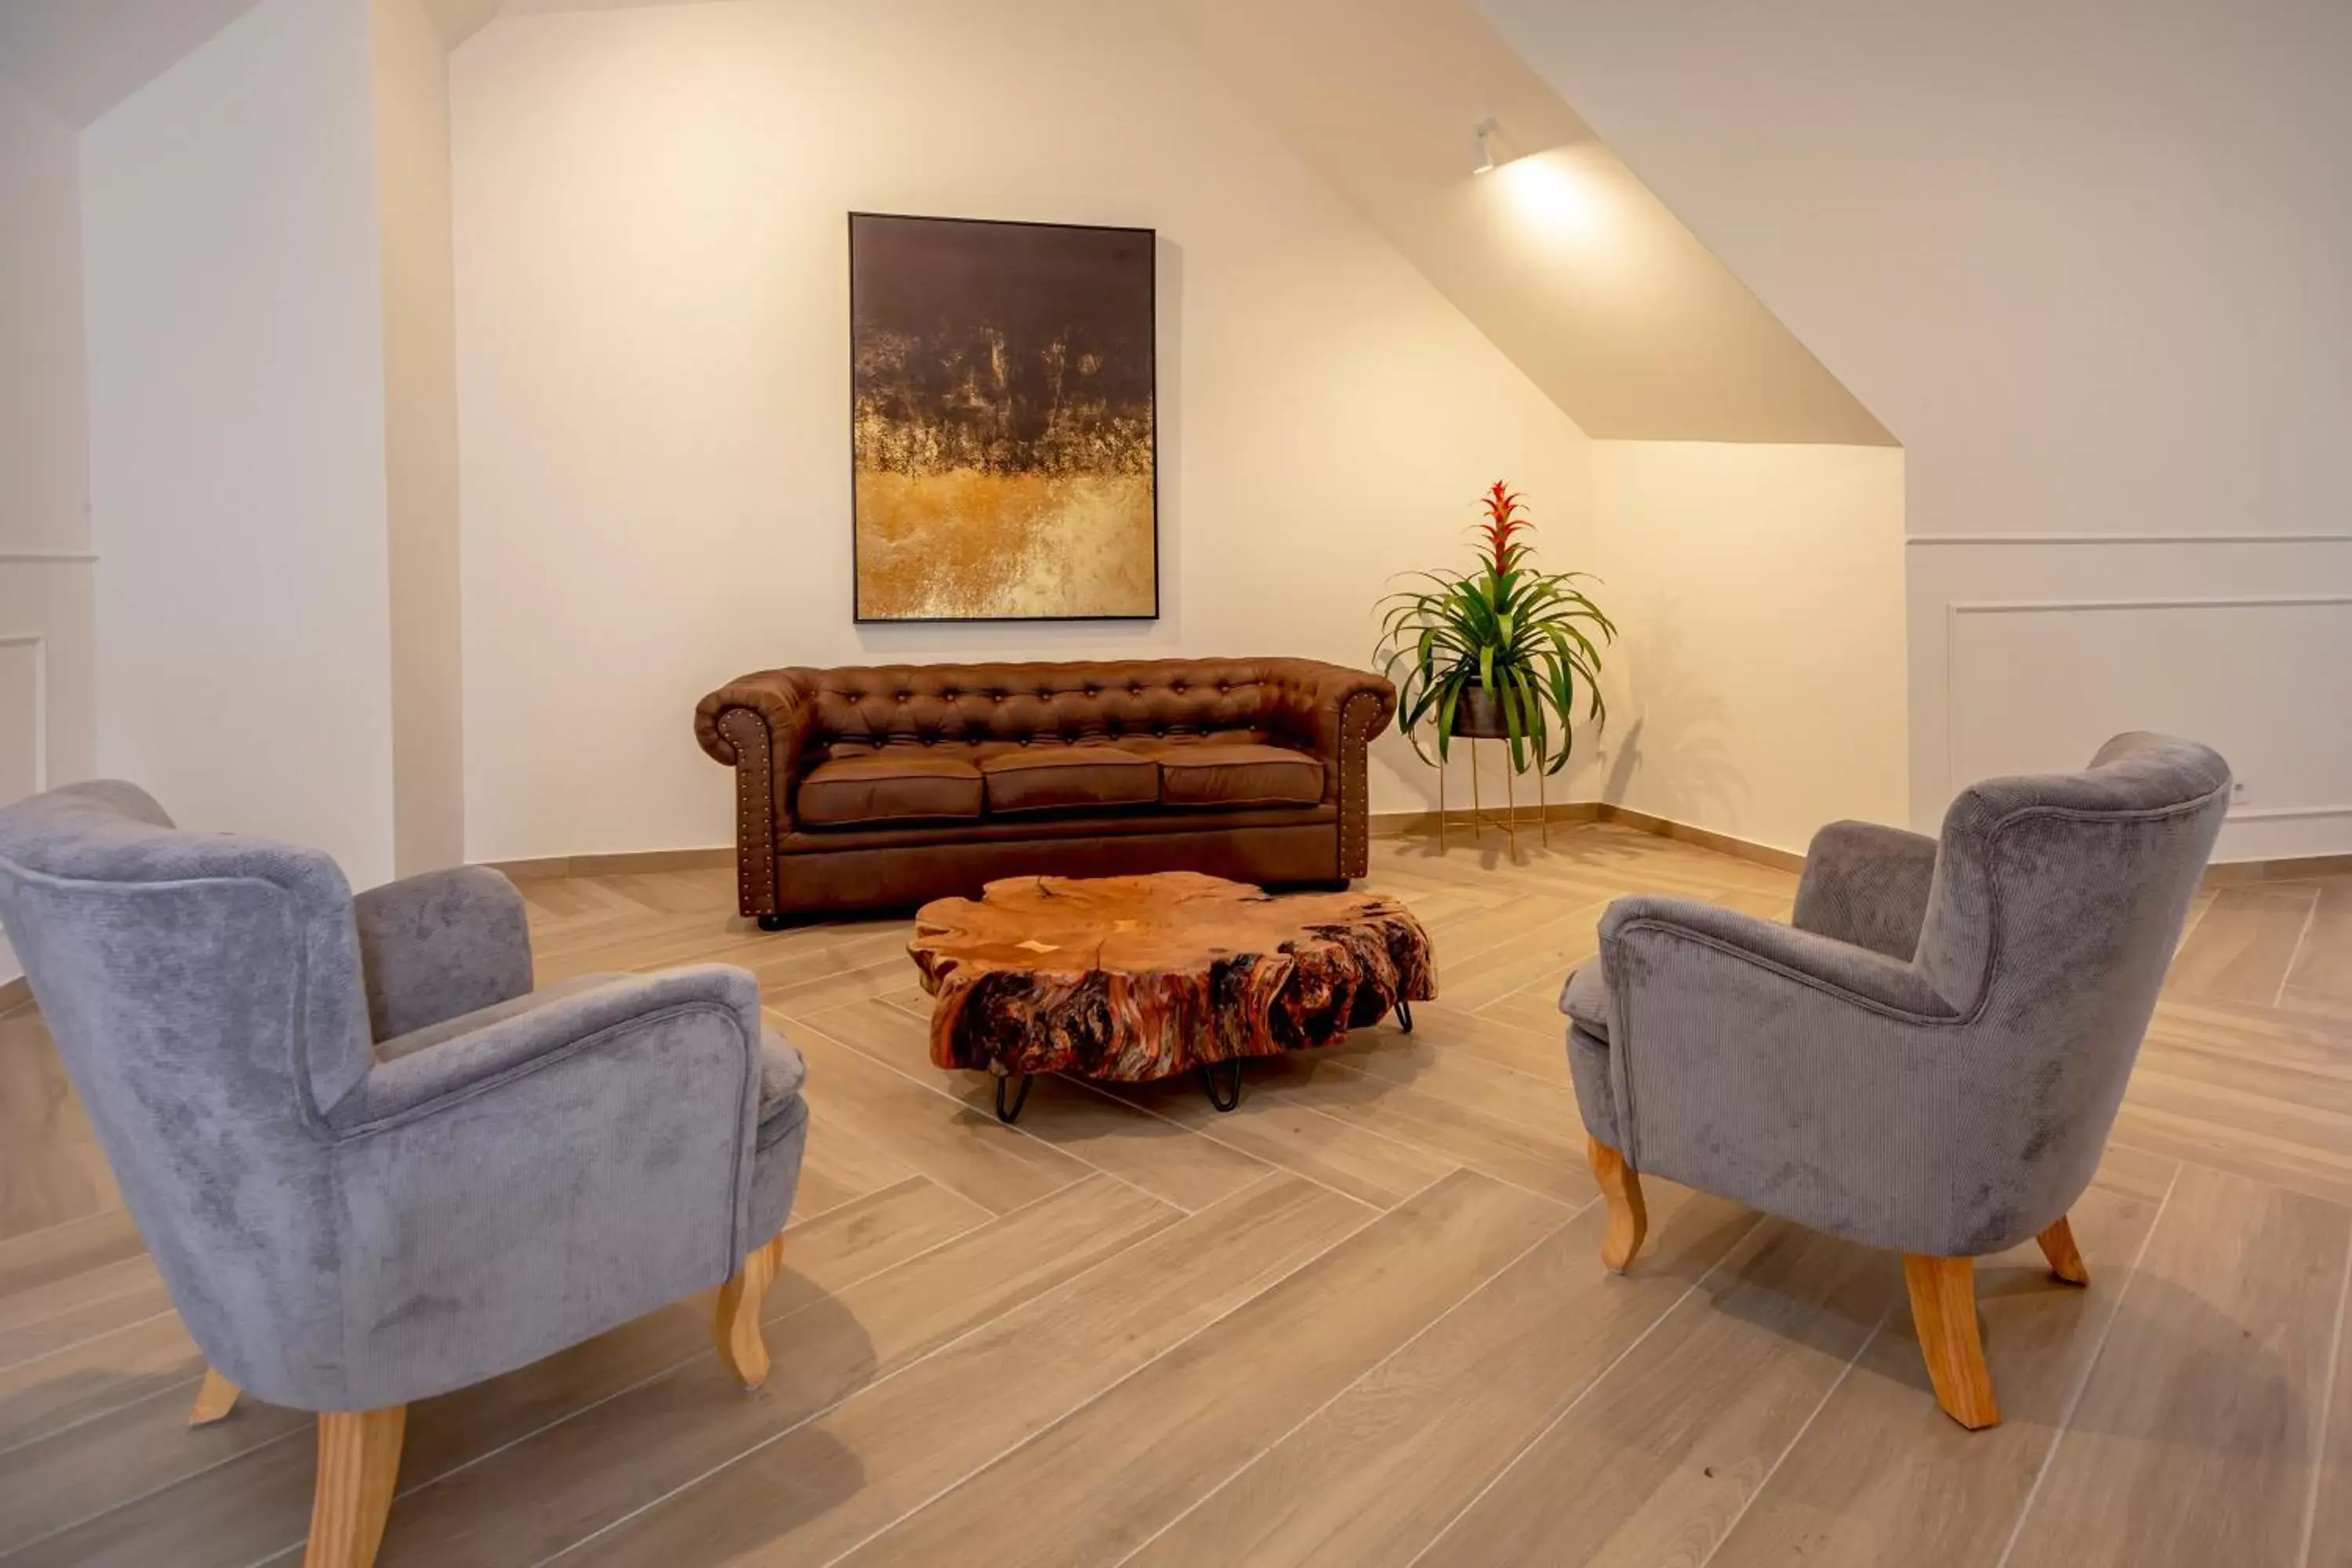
(1404, 1015)
(1013, 1112)
(1232, 1094)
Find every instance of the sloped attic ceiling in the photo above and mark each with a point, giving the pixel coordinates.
(1561, 256)
(1564, 259)
(81, 57)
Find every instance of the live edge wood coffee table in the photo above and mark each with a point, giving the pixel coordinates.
(1133, 979)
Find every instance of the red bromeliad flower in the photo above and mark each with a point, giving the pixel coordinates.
(1504, 519)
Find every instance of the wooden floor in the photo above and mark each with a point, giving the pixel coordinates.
(1359, 1322)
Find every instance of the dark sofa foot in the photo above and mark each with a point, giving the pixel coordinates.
(775, 922)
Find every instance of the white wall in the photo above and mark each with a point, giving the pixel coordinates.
(653, 372)
(1758, 689)
(2085, 260)
(420, 369)
(235, 339)
(44, 474)
(45, 701)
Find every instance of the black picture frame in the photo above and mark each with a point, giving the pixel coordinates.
(1150, 373)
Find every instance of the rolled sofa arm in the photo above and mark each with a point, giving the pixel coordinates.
(754, 724)
(438, 944)
(1868, 885)
(1337, 712)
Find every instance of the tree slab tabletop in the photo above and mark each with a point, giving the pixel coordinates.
(1128, 979)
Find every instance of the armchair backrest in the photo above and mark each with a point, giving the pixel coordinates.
(204, 991)
(2057, 903)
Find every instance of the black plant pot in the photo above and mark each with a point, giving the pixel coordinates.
(1479, 715)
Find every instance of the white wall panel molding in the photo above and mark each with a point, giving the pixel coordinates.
(2269, 611)
(37, 712)
(2288, 813)
(2033, 683)
(1997, 540)
(2018, 606)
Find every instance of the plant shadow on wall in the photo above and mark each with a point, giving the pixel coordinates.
(1674, 747)
(1506, 652)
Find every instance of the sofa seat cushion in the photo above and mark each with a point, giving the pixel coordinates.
(1067, 778)
(1214, 773)
(897, 783)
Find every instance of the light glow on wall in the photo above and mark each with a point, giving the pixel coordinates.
(1552, 197)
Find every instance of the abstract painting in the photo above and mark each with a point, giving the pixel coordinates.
(1001, 395)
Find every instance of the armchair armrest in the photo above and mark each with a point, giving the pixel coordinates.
(1659, 944)
(440, 944)
(1868, 885)
(517, 1040)
(756, 724)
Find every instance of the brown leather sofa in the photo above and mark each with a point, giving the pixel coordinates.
(883, 786)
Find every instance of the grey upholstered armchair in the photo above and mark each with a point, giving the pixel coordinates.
(1929, 1059)
(373, 1166)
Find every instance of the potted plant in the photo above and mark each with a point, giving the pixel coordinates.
(1506, 652)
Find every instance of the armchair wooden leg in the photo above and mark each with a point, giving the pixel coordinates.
(737, 1330)
(2066, 1258)
(1943, 1311)
(359, 1462)
(214, 1400)
(1621, 1185)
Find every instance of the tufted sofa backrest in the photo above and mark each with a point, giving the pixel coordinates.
(976, 705)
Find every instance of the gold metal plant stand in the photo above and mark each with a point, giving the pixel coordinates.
(1480, 818)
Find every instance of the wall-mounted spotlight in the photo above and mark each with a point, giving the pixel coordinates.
(1483, 162)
